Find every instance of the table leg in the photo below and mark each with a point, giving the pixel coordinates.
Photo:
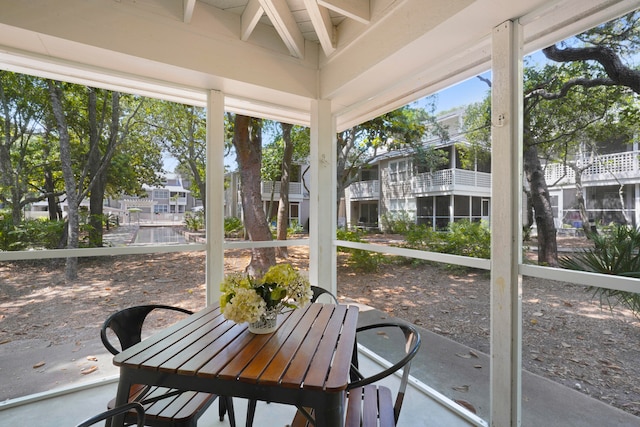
(331, 414)
(122, 397)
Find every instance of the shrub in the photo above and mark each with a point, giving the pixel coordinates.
(359, 259)
(468, 238)
(43, 232)
(614, 253)
(397, 222)
(421, 237)
(30, 233)
(12, 238)
(232, 226)
(294, 228)
(194, 221)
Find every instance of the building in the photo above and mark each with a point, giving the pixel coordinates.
(609, 184)
(394, 185)
(166, 202)
(270, 190)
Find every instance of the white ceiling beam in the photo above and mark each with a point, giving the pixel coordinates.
(354, 9)
(250, 18)
(321, 22)
(188, 5)
(285, 24)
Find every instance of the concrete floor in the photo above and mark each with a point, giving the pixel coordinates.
(71, 408)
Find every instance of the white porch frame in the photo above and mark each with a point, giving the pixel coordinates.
(311, 103)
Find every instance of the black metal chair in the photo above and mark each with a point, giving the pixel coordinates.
(163, 406)
(317, 293)
(369, 404)
(107, 415)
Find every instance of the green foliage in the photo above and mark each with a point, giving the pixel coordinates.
(32, 233)
(43, 232)
(294, 228)
(422, 237)
(397, 222)
(349, 236)
(359, 259)
(232, 226)
(615, 253)
(194, 221)
(465, 238)
(273, 151)
(11, 236)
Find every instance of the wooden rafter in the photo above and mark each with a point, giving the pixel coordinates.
(321, 22)
(188, 5)
(354, 9)
(250, 17)
(285, 24)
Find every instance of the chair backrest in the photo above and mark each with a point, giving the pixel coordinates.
(127, 324)
(318, 292)
(412, 345)
(117, 411)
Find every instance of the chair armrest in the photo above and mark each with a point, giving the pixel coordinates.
(413, 342)
(116, 411)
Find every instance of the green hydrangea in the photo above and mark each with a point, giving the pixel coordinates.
(245, 299)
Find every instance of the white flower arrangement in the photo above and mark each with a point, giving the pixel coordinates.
(245, 299)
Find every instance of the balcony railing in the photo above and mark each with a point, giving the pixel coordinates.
(619, 166)
(365, 190)
(273, 187)
(449, 180)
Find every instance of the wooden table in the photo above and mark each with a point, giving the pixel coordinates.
(304, 363)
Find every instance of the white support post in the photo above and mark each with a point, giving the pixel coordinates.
(506, 209)
(323, 207)
(215, 195)
(636, 205)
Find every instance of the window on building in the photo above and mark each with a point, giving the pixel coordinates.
(369, 174)
(161, 208)
(398, 170)
(294, 213)
(160, 194)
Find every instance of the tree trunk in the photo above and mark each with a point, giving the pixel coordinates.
(582, 205)
(93, 166)
(99, 160)
(547, 245)
(247, 140)
(71, 266)
(283, 205)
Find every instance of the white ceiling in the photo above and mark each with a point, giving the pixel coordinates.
(272, 57)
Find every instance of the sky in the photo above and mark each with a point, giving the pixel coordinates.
(467, 92)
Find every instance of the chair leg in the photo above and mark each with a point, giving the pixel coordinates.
(228, 403)
(251, 411)
(222, 407)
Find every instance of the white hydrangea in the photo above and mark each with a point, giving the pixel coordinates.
(245, 306)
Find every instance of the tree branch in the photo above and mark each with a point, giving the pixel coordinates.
(610, 61)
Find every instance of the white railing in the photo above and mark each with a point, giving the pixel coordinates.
(365, 190)
(618, 165)
(269, 187)
(450, 179)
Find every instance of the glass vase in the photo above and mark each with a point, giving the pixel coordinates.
(267, 323)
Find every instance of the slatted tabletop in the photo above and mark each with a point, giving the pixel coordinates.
(305, 362)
